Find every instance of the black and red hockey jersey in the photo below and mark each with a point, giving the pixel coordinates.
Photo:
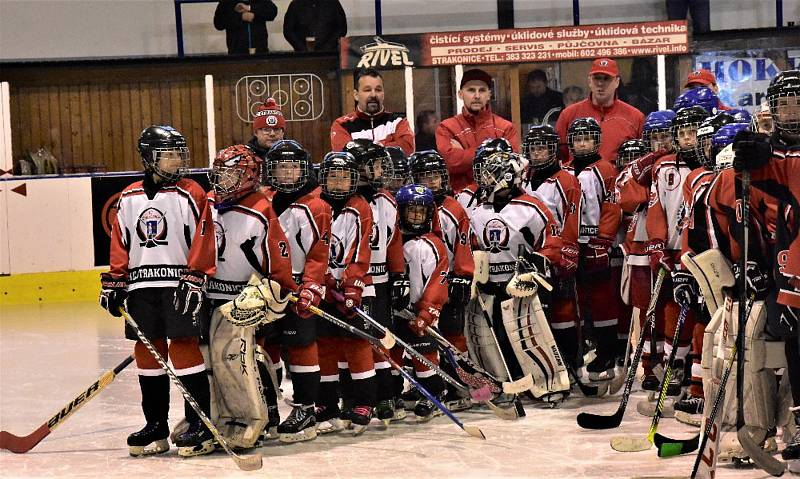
(454, 224)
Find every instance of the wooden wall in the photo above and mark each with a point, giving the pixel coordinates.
(90, 114)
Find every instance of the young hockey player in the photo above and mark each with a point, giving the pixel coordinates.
(388, 279)
(429, 170)
(426, 259)
(348, 267)
(561, 192)
(162, 252)
(306, 221)
(599, 223)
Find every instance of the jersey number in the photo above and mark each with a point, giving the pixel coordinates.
(283, 248)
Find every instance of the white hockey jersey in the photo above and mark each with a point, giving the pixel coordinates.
(665, 210)
(600, 217)
(384, 238)
(426, 259)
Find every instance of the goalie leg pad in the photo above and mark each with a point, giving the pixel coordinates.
(534, 346)
(481, 342)
(241, 411)
(713, 272)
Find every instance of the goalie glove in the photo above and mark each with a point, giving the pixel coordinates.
(309, 296)
(426, 317)
(531, 270)
(684, 288)
(400, 290)
(459, 290)
(258, 303)
(113, 293)
(189, 295)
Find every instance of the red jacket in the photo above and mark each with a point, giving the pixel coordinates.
(469, 131)
(386, 128)
(619, 122)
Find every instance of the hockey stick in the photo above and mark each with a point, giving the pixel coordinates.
(378, 347)
(23, 444)
(635, 444)
(763, 460)
(586, 389)
(246, 463)
(597, 421)
(387, 341)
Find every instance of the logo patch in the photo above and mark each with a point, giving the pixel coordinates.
(495, 235)
(151, 227)
(219, 232)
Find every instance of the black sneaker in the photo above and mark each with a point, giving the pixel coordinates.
(151, 439)
(301, 425)
(196, 441)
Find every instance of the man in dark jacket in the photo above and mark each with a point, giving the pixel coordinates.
(245, 24)
(323, 20)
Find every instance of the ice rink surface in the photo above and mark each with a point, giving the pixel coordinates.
(49, 353)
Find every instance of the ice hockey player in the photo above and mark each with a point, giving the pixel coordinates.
(306, 221)
(348, 268)
(472, 195)
(773, 162)
(663, 228)
(429, 170)
(561, 192)
(401, 172)
(388, 278)
(426, 259)
(162, 252)
(516, 234)
(599, 223)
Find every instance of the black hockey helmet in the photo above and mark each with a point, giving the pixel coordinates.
(540, 146)
(338, 175)
(583, 128)
(161, 147)
(684, 126)
(373, 159)
(783, 95)
(429, 170)
(628, 151)
(401, 170)
(705, 132)
(287, 166)
(415, 196)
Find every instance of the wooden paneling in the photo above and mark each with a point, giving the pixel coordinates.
(90, 114)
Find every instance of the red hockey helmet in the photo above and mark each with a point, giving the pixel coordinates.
(236, 172)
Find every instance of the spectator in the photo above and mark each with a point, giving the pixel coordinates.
(245, 24)
(619, 121)
(323, 21)
(703, 77)
(573, 94)
(370, 120)
(699, 9)
(458, 137)
(540, 100)
(268, 128)
(426, 130)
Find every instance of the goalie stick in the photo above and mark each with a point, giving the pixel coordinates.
(635, 444)
(597, 421)
(23, 444)
(378, 346)
(246, 463)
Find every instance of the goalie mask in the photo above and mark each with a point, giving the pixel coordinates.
(783, 96)
(498, 171)
(583, 137)
(429, 170)
(338, 175)
(657, 131)
(401, 171)
(705, 132)
(235, 173)
(684, 131)
(540, 146)
(374, 161)
(630, 150)
(164, 152)
(287, 166)
(416, 205)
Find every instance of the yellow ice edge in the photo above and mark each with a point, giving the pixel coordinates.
(57, 287)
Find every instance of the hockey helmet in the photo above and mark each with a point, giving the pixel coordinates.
(235, 173)
(783, 95)
(657, 130)
(164, 151)
(582, 130)
(540, 146)
(429, 170)
(374, 161)
(338, 175)
(628, 151)
(287, 166)
(705, 132)
(416, 205)
(740, 115)
(724, 136)
(684, 130)
(703, 97)
(401, 171)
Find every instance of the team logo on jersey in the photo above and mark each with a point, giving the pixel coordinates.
(151, 227)
(219, 232)
(495, 235)
(336, 258)
(375, 237)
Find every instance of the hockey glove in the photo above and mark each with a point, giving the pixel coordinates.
(568, 265)
(459, 290)
(642, 169)
(424, 318)
(596, 254)
(189, 294)
(658, 257)
(751, 150)
(401, 290)
(113, 293)
(310, 295)
(351, 291)
(684, 288)
(757, 281)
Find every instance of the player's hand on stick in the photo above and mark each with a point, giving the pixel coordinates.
(113, 293)
(684, 288)
(658, 257)
(400, 290)
(309, 296)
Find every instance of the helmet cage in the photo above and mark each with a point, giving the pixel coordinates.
(153, 158)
